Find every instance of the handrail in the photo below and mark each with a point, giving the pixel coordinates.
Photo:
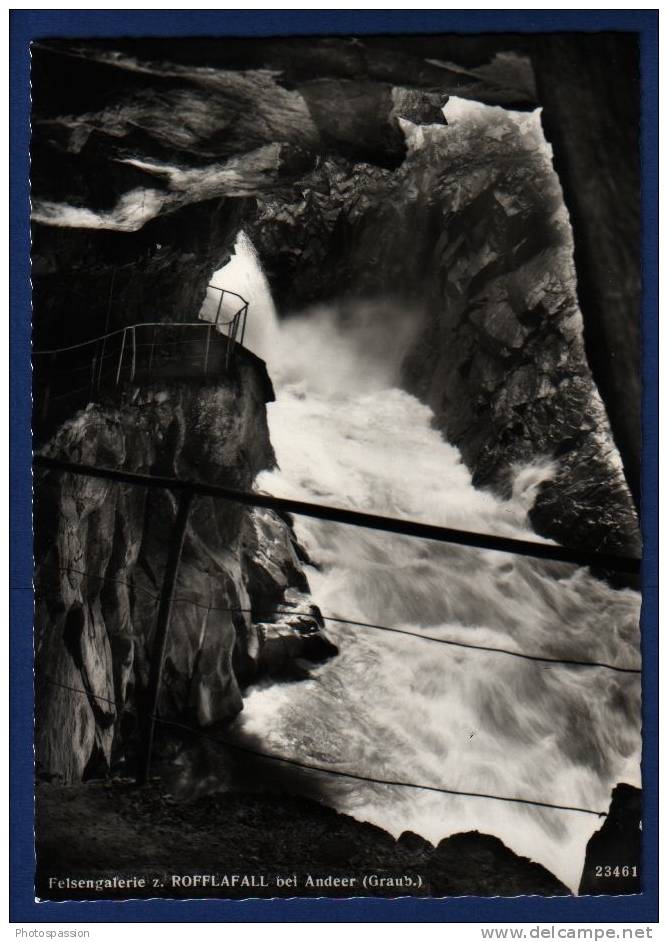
(241, 312)
(186, 491)
(414, 528)
(231, 332)
(327, 770)
(227, 291)
(470, 646)
(121, 330)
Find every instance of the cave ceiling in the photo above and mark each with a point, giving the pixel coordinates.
(128, 134)
(200, 119)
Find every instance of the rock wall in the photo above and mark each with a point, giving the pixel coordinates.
(147, 159)
(613, 863)
(142, 175)
(89, 280)
(589, 86)
(471, 235)
(261, 834)
(129, 134)
(100, 551)
(127, 130)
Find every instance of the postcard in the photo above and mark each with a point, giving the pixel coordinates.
(336, 419)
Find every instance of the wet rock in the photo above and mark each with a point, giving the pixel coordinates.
(419, 106)
(487, 867)
(101, 551)
(141, 829)
(482, 251)
(270, 559)
(141, 207)
(321, 147)
(614, 853)
(292, 635)
(500, 327)
(589, 88)
(414, 843)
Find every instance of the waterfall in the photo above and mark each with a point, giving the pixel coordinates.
(243, 274)
(395, 707)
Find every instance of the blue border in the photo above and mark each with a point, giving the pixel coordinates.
(27, 25)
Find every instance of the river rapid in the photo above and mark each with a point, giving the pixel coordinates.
(405, 708)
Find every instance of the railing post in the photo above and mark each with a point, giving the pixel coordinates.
(162, 624)
(220, 305)
(93, 372)
(206, 349)
(100, 361)
(243, 323)
(230, 341)
(120, 357)
(134, 354)
(150, 356)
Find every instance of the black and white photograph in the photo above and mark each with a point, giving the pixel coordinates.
(337, 456)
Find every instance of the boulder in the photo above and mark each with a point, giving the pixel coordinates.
(613, 861)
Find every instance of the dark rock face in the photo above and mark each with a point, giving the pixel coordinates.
(471, 235)
(88, 281)
(143, 173)
(174, 128)
(486, 861)
(287, 625)
(163, 141)
(101, 550)
(589, 86)
(201, 101)
(614, 854)
(134, 128)
(147, 833)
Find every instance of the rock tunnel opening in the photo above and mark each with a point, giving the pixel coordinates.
(587, 86)
(470, 241)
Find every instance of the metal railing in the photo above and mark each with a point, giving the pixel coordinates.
(138, 353)
(238, 321)
(187, 492)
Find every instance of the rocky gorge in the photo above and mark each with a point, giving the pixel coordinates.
(338, 161)
(100, 552)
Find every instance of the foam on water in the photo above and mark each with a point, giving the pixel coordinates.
(395, 707)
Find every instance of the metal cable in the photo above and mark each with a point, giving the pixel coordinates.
(346, 515)
(568, 662)
(312, 767)
(138, 326)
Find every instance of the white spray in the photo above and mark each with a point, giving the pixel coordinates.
(395, 707)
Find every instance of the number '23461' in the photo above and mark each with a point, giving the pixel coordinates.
(610, 871)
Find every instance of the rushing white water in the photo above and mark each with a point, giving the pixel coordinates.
(243, 275)
(396, 707)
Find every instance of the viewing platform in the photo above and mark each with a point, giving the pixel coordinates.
(67, 378)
